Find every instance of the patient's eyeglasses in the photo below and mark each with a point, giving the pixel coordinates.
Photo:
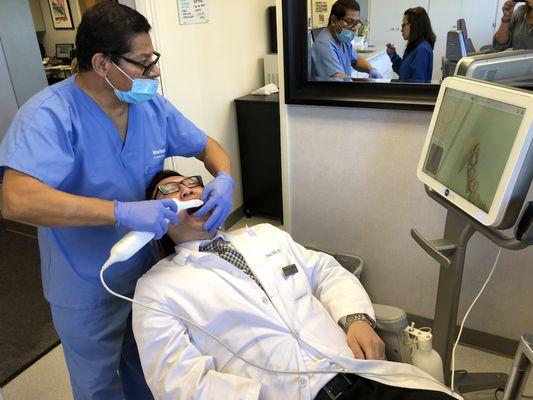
(175, 187)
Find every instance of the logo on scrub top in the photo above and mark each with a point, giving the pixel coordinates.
(158, 153)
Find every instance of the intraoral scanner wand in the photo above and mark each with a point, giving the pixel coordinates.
(132, 242)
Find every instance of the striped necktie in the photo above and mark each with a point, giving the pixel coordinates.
(226, 251)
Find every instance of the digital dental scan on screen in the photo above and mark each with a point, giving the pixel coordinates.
(471, 144)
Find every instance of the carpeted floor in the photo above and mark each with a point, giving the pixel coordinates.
(26, 330)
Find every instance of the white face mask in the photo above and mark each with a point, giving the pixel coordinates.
(141, 89)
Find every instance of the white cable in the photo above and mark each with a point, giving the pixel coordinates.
(466, 316)
(298, 372)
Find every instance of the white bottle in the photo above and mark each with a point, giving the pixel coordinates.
(427, 359)
(365, 35)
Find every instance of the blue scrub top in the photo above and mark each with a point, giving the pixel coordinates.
(416, 66)
(64, 139)
(328, 57)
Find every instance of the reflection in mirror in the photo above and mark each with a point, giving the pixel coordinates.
(55, 23)
(377, 40)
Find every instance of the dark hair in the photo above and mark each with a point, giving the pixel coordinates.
(420, 26)
(340, 8)
(164, 246)
(151, 189)
(108, 28)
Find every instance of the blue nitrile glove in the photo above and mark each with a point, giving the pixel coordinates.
(147, 216)
(374, 74)
(218, 194)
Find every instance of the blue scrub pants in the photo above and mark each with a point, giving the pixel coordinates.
(101, 353)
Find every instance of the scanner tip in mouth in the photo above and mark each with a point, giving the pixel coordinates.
(192, 210)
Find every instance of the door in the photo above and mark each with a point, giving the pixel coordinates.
(385, 18)
(480, 18)
(443, 15)
(499, 14)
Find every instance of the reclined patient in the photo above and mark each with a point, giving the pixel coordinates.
(270, 300)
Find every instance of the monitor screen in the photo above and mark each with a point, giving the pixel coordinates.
(471, 144)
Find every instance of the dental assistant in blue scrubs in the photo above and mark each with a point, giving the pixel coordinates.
(417, 63)
(333, 55)
(76, 162)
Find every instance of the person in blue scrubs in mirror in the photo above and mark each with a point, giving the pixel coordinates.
(417, 63)
(76, 161)
(332, 53)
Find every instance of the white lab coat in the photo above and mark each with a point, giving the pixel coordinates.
(293, 328)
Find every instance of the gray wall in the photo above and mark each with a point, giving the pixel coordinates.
(353, 189)
(21, 51)
(8, 101)
(364, 9)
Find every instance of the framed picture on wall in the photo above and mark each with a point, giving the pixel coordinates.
(61, 15)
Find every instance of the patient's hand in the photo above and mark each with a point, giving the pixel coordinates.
(365, 342)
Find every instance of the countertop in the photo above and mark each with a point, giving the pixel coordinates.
(372, 51)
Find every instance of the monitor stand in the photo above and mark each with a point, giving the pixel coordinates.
(450, 253)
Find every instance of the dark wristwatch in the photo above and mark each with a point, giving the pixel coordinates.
(350, 319)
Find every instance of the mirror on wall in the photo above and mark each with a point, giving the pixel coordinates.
(380, 27)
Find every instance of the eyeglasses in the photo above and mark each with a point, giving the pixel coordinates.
(146, 68)
(407, 23)
(175, 187)
(351, 23)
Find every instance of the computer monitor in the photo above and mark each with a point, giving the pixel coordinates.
(64, 51)
(478, 152)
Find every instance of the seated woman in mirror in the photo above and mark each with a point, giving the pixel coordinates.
(516, 29)
(333, 54)
(417, 63)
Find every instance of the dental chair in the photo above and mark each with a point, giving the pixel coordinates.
(461, 25)
(459, 45)
(390, 321)
(455, 50)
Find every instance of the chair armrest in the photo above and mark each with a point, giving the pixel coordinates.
(390, 323)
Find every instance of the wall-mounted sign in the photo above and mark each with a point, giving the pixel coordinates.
(321, 7)
(193, 11)
(320, 13)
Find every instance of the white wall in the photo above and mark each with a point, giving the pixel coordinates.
(354, 190)
(206, 66)
(53, 36)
